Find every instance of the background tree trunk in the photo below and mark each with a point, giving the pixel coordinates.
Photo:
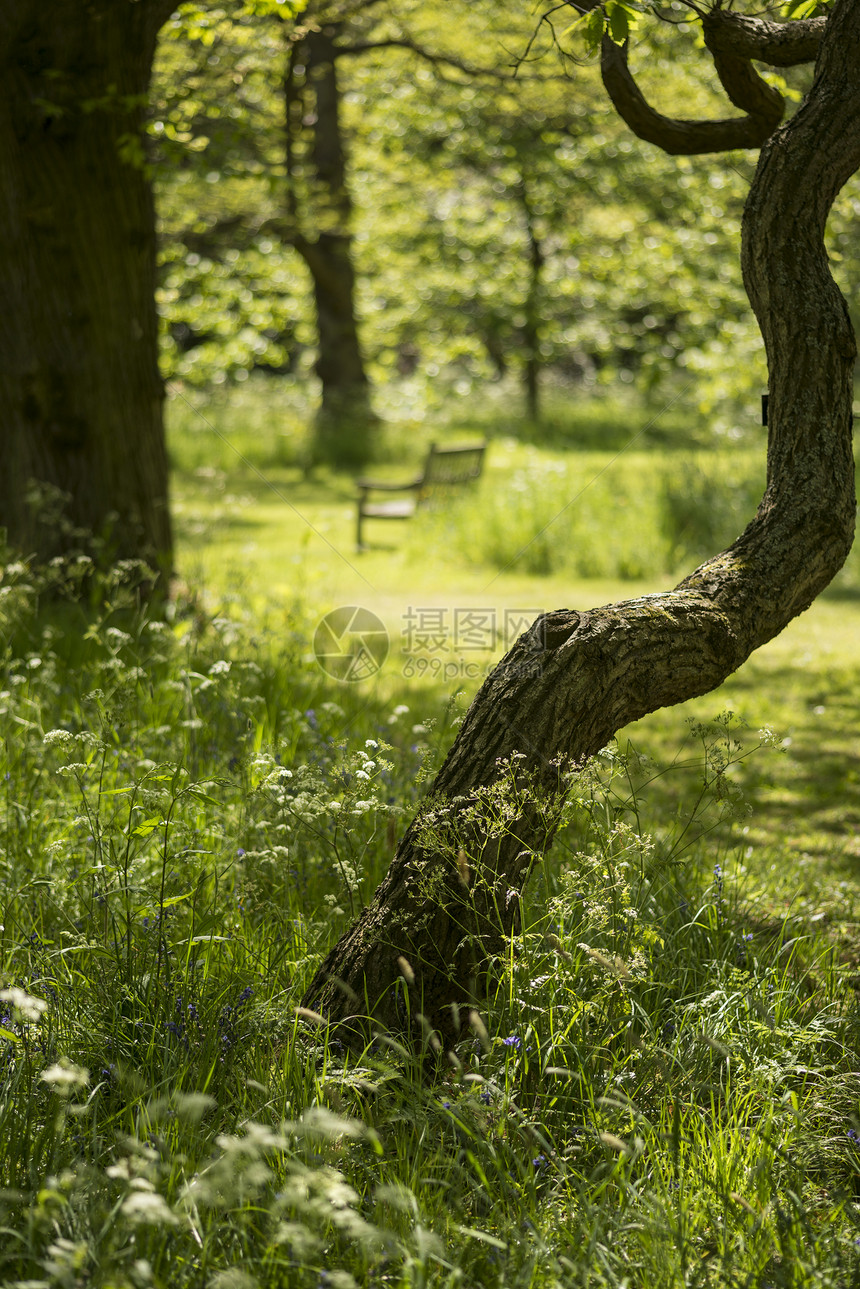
(451, 896)
(531, 330)
(320, 208)
(79, 381)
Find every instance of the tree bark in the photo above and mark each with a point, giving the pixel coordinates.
(531, 306)
(450, 898)
(320, 210)
(79, 381)
(763, 106)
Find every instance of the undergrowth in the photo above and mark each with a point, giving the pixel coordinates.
(661, 1088)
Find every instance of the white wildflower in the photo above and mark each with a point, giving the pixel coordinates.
(235, 1278)
(58, 738)
(27, 1007)
(146, 1207)
(65, 1075)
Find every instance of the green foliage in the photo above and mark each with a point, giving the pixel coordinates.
(453, 181)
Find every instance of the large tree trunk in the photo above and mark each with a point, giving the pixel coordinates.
(79, 381)
(576, 678)
(320, 209)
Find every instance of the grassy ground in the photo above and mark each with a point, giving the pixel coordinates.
(661, 1088)
(270, 534)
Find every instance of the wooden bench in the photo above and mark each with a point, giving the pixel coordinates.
(445, 470)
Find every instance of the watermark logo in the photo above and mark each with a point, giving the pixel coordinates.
(351, 643)
(439, 643)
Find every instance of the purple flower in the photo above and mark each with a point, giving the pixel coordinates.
(512, 1041)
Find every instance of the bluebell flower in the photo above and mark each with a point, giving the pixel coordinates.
(512, 1041)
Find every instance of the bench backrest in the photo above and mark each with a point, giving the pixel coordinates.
(446, 468)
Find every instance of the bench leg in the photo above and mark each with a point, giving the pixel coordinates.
(358, 542)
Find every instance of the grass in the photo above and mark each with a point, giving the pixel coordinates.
(662, 1086)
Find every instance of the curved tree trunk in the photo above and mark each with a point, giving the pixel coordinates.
(79, 381)
(451, 895)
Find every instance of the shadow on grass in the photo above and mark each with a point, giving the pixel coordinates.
(805, 792)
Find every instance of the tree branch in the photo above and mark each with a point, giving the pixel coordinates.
(779, 44)
(764, 107)
(437, 60)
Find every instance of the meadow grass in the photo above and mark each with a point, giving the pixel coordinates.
(662, 1085)
(662, 1088)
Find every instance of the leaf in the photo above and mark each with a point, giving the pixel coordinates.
(595, 25)
(199, 795)
(619, 23)
(148, 826)
(9, 1036)
(174, 899)
(800, 8)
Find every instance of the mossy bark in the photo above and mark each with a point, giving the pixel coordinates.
(450, 898)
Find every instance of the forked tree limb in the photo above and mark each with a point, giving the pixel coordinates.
(762, 104)
(576, 677)
(733, 41)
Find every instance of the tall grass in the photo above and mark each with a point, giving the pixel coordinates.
(660, 1088)
(591, 515)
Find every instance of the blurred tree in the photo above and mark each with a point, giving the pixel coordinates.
(319, 210)
(450, 900)
(320, 204)
(624, 266)
(79, 380)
